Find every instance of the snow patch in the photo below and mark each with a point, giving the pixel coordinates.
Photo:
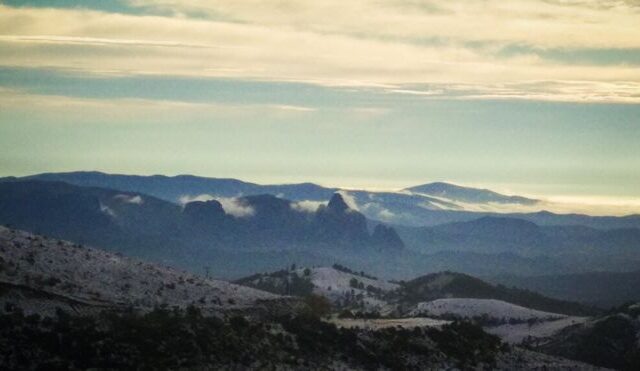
(492, 308)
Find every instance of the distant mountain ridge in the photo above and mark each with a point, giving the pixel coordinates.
(422, 205)
(467, 194)
(594, 249)
(174, 188)
(240, 235)
(196, 233)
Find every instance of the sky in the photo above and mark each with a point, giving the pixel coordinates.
(539, 98)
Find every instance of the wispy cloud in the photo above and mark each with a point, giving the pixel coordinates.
(545, 23)
(144, 110)
(136, 200)
(349, 199)
(453, 47)
(236, 208)
(307, 206)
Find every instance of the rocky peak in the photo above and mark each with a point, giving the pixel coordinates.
(337, 203)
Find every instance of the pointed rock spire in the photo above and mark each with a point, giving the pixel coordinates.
(337, 203)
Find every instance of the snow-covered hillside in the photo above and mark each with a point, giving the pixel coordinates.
(490, 308)
(512, 323)
(341, 287)
(518, 332)
(66, 272)
(345, 289)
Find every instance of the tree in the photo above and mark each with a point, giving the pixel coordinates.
(317, 305)
(353, 283)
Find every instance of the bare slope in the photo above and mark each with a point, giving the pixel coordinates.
(47, 270)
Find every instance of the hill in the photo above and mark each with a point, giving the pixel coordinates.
(39, 274)
(345, 288)
(360, 291)
(602, 289)
(456, 285)
(488, 308)
(610, 340)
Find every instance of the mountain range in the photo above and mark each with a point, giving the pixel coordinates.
(423, 205)
(234, 236)
(247, 234)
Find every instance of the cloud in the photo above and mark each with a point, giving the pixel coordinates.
(593, 205)
(185, 199)
(386, 215)
(113, 110)
(107, 210)
(137, 200)
(311, 42)
(234, 207)
(588, 205)
(377, 211)
(349, 199)
(231, 205)
(532, 22)
(307, 206)
(368, 113)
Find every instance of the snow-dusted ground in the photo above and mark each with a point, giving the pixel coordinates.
(467, 307)
(374, 324)
(545, 325)
(336, 286)
(515, 334)
(96, 277)
(334, 282)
